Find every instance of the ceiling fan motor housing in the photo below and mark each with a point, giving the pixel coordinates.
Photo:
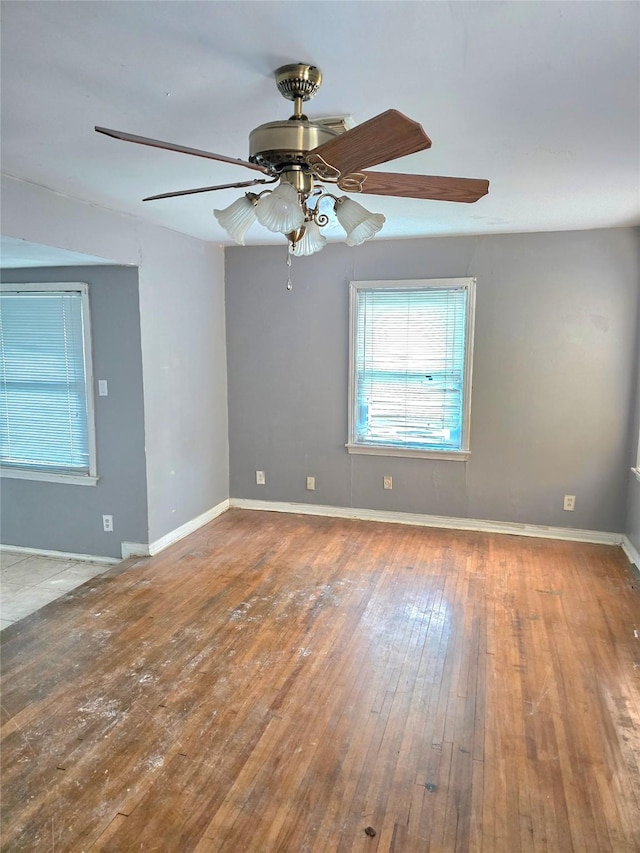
(279, 144)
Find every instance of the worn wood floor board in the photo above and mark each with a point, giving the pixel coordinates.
(387, 808)
(413, 750)
(326, 765)
(276, 683)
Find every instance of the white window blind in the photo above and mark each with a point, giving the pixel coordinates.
(45, 418)
(411, 365)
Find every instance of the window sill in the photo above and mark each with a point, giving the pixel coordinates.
(49, 476)
(381, 450)
(636, 471)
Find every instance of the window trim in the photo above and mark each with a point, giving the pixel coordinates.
(636, 470)
(355, 287)
(51, 475)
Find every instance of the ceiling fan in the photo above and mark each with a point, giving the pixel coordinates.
(303, 156)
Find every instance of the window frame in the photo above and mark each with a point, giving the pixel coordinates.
(636, 470)
(51, 475)
(636, 466)
(468, 283)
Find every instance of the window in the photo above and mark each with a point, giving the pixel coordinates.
(46, 394)
(410, 384)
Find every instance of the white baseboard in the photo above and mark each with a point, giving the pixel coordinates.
(143, 549)
(138, 549)
(60, 555)
(569, 533)
(134, 549)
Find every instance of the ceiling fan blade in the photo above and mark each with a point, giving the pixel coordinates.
(384, 137)
(211, 189)
(421, 186)
(169, 146)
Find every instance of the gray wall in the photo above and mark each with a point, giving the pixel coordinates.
(553, 377)
(63, 517)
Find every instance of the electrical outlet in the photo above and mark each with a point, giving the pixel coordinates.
(260, 478)
(107, 523)
(387, 481)
(103, 388)
(311, 483)
(569, 503)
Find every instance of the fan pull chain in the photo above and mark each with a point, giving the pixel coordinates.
(289, 284)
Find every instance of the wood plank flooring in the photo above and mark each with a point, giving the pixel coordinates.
(281, 683)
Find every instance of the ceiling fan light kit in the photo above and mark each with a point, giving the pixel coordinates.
(238, 217)
(311, 240)
(359, 224)
(301, 156)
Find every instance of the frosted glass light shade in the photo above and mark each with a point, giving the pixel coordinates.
(280, 210)
(311, 242)
(356, 220)
(237, 218)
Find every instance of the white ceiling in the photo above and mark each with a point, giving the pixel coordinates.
(541, 98)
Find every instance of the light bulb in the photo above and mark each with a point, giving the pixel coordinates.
(280, 210)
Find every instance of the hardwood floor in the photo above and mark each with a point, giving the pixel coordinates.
(282, 683)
